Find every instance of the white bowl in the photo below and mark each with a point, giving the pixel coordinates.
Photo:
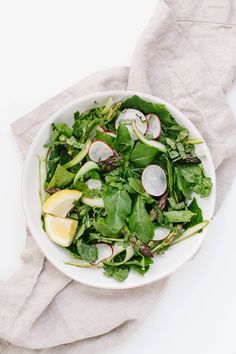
(163, 265)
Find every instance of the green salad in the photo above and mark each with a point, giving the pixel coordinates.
(119, 186)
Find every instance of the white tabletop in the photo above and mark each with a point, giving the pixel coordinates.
(47, 46)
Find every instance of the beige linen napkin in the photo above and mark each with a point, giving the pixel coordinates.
(188, 61)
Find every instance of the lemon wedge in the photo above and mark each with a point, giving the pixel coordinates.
(60, 203)
(60, 230)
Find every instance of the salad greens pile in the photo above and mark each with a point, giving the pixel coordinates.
(122, 221)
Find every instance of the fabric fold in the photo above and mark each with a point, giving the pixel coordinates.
(176, 59)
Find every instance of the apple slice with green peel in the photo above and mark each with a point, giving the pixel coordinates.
(88, 166)
(93, 202)
(81, 155)
(156, 144)
(60, 203)
(117, 249)
(94, 184)
(105, 251)
(83, 264)
(154, 180)
(111, 134)
(99, 151)
(60, 230)
(154, 126)
(132, 115)
(192, 231)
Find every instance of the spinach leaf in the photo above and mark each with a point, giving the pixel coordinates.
(63, 178)
(103, 228)
(108, 139)
(149, 107)
(88, 253)
(197, 218)
(181, 184)
(194, 175)
(190, 172)
(142, 155)
(203, 186)
(124, 143)
(119, 273)
(178, 216)
(118, 206)
(140, 222)
(136, 185)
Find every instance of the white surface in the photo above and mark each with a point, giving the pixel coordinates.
(165, 264)
(43, 43)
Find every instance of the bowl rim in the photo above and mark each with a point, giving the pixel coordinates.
(94, 96)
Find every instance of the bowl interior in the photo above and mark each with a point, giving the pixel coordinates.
(163, 264)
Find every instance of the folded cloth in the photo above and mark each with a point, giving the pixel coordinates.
(186, 57)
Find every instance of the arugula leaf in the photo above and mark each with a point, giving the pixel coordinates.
(60, 128)
(149, 107)
(119, 273)
(63, 178)
(170, 176)
(56, 155)
(118, 206)
(88, 253)
(81, 186)
(85, 123)
(174, 205)
(197, 218)
(140, 222)
(142, 155)
(178, 216)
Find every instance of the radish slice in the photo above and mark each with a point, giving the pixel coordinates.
(105, 251)
(154, 180)
(94, 184)
(99, 151)
(130, 115)
(154, 126)
(160, 233)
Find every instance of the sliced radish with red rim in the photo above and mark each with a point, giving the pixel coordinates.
(105, 251)
(154, 126)
(160, 233)
(99, 151)
(94, 184)
(128, 116)
(154, 180)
